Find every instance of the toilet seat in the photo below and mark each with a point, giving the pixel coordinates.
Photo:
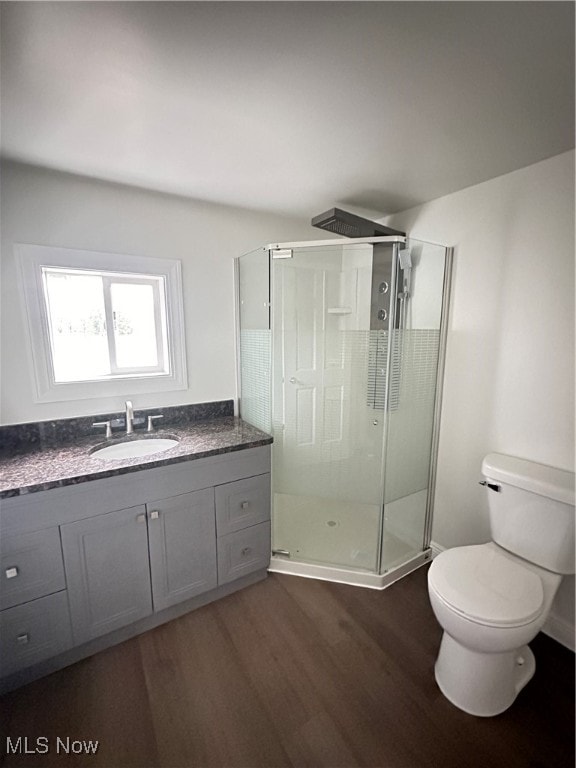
(485, 586)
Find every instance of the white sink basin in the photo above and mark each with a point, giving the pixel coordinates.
(132, 449)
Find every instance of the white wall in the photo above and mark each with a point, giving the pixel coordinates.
(509, 379)
(49, 208)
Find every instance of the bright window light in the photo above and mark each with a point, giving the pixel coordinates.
(105, 324)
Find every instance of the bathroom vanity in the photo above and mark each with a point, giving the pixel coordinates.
(93, 558)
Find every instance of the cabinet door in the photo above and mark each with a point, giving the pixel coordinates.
(107, 570)
(182, 547)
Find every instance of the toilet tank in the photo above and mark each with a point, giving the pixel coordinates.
(532, 515)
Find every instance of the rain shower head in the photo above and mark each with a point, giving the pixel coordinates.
(349, 225)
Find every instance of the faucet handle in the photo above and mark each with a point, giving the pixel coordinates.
(106, 424)
(151, 420)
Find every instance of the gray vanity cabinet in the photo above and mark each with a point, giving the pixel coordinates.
(88, 565)
(108, 573)
(125, 564)
(182, 547)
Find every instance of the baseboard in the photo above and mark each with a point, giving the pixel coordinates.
(561, 631)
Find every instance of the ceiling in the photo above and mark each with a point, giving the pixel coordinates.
(289, 107)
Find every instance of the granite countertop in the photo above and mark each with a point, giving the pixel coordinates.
(71, 463)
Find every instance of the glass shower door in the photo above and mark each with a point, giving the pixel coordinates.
(254, 338)
(328, 438)
(414, 358)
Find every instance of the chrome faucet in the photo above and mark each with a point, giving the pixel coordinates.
(129, 417)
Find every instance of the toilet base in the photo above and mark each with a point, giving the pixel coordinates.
(482, 684)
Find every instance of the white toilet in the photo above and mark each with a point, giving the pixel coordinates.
(492, 599)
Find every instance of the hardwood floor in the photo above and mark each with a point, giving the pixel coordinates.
(290, 672)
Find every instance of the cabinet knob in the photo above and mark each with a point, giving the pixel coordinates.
(23, 639)
(244, 504)
(154, 514)
(141, 518)
(246, 551)
(11, 573)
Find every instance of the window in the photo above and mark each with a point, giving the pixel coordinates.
(102, 324)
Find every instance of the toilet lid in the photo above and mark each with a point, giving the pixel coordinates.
(484, 585)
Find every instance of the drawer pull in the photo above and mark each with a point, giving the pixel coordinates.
(246, 551)
(11, 573)
(244, 504)
(154, 515)
(23, 639)
(141, 518)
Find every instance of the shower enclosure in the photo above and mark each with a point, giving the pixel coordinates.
(340, 348)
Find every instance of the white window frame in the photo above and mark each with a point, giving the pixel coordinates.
(123, 382)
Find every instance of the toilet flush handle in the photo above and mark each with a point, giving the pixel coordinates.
(491, 486)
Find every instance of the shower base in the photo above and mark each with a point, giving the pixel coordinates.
(280, 564)
(336, 540)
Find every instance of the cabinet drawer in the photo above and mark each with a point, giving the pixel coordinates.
(33, 632)
(242, 504)
(243, 552)
(31, 566)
